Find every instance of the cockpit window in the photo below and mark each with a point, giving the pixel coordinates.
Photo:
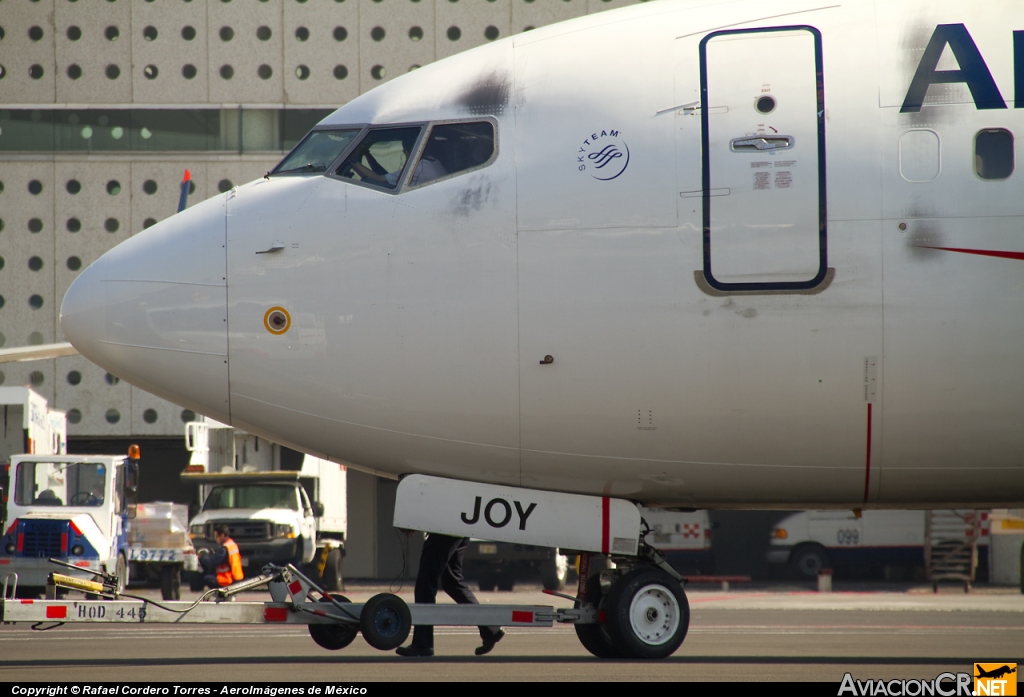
(380, 157)
(316, 152)
(454, 148)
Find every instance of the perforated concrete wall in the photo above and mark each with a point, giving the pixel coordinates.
(59, 211)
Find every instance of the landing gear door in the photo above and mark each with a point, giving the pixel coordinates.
(763, 133)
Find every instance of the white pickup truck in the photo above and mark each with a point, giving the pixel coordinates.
(273, 519)
(280, 506)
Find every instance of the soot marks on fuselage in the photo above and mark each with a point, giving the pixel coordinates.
(938, 105)
(921, 236)
(471, 199)
(934, 114)
(730, 304)
(487, 96)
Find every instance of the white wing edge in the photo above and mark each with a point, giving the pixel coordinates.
(36, 353)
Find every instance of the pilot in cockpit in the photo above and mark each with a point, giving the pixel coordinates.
(373, 171)
(428, 168)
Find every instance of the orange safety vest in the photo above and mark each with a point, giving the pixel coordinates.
(231, 570)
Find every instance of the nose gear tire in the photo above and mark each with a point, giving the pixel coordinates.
(647, 614)
(594, 637)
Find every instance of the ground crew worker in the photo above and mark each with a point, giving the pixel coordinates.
(223, 567)
(441, 564)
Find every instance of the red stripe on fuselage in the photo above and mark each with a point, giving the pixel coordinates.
(605, 505)
(1019, 256)
(867, 465)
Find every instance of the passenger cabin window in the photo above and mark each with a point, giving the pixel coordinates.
(380, 157)
(454, 148)
(993, 153)
(316, 152)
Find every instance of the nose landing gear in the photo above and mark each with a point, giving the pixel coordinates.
(642, 613)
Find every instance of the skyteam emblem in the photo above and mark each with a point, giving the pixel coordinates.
(603, 155)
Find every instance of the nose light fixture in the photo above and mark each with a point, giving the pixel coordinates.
(277, 320)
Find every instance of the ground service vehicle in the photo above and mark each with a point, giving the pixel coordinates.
(812, 540)
(280, 506)
(74, 508)
(501, 564)
(682, 254)
(684, 537)
(29, 426)
(159, 547)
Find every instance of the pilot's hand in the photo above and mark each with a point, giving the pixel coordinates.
(374, 165)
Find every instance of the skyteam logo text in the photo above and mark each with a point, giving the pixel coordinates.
(603, 155)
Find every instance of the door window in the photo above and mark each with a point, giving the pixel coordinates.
(993, 153)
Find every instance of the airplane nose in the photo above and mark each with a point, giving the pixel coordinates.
(153, 310)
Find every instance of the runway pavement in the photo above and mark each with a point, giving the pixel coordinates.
(755, 634)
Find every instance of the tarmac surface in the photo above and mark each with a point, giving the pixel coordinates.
(752, 633)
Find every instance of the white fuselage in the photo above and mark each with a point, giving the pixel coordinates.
(772, 308)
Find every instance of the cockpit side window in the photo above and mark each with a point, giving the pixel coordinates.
(454, 148)
(316, 152)
(380, 157)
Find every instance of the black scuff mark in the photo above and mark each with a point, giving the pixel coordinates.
(472, 198)
(487, 96)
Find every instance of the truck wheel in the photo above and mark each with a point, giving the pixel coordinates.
(333, 637)
(647, 614)
(121, 571)
(506, 581)
(554, 572)
(196, 583)
(487, 581)
(170, 582)
(809, 560)
(594, 637)
(385, 621)
(332, 575)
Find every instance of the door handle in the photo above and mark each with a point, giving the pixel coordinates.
(275, 247)
(761, 143)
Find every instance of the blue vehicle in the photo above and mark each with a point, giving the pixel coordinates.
(74, 508)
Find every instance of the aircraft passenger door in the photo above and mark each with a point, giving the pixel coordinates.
(763, 136)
